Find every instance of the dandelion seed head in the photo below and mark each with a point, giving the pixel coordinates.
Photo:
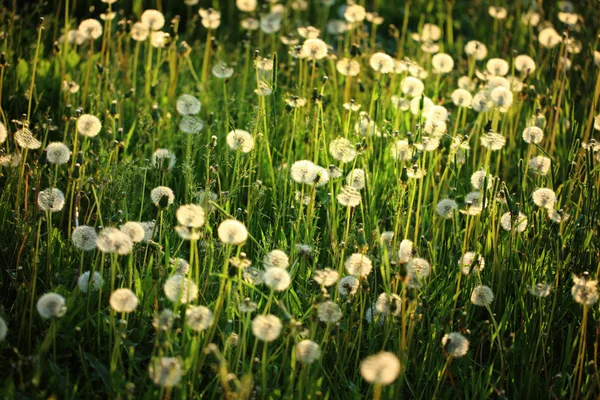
(246, 5)
(267, 327)
(510, 222)
(455, 344)
(51, 199)
(355, 13)
(198, 318)
(388, 304)
(190, 124)
(84, 238)
(358, 265)
(326, 277)
(348, 67)
(307, 351)
(348, 286)
(140, 32)
(113, 241)
(541, 289)
(382, 63)
(162, 196)
(446, 208)
(163, 321)
(329, 312)
(442, 63)
(26, 140)
(476, 49)
(493, 141)
(165, 371)
(304, 171)
(343, 150)
(276, 259)
(190, 215)
(153, 19)
(356, 178)
(90, 29)
(539, 165)
(548, 37)
(163, 158)
(471, 262)
(89, 125)
(134, 230)
(51, 305)
(180, 289)
(277, 279)
(412, 87)
(544, 197)
(232, 232)
(419, 267)
(188, 105)
(533, 134)
(239, 139)
(57, 153)
(584, 291)
(314, 49)
(221, 70)
(88, 282)
(482, 296)
(382, 368)
(461, 98)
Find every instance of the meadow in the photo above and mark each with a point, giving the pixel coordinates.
(304, 199)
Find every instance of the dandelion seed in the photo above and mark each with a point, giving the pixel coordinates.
(162, 196)
(164, 320)
(326, 277)
(51, 305)
(307, 351)
(533, 134)
(358, 265)
(482, 296)
(241, 140)
(182, 267)
(191, 125)
(584, 291)
(180, 289)
(502, 98)
(88, 282)
(355, 13)
(270, 23)
(493, 141)
(539, 165)
(415, 106)
(90, 29)
(442, 63)
(314, 49)
(198, 318)
(329, 312)
(405, 251)
(568, 18)
(113, 241)
(89, 125)
(478, 179)
(246, 5)
(232, 231)
(462, 98)
(381, 369)
(530, 18)
(84, 238)
(386, 238)
(134, 230)
(471, 262)
(429, 33)
(455, 344)
(140, 32)
(557, 216)
(191, 215)
(412, 87)
(187, 233)
(295, 101)
(388, 304)
(419, 267)
(365, 126)
(165, 371)
(210, 18)
(25, 139)
(549, 38)
(382, 63)
(348, 67)
(497, 66)
(481, 102)
(498, 13)
(309, 32)
(510, 222)
(348, 286)
(153, 19)
(356, 178)
(221, 70)
(159, 39)
(304, 171)
(277, 279)
(524, 63)
(276, 259)
(343, 150)
(446, 208)
(163, 158)
(148, 229)
(541, 289)
(544, 197)
(188, 105)
(267, 327)
(52, 200)
(56, 153)
(476, 49)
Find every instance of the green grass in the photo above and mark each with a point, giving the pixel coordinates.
(520, 345)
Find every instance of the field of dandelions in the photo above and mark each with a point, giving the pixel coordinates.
(301, 199)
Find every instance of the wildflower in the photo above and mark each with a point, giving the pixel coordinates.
(221, 70)
(476, 49)
(165, 371)
(419, 267)
(163, 321)
(159, 39)
(51, 305)
(381, 368)
(3, 329)
(134, 230)
(57, 153)
(246, 5)
(113, 241)
(198, 318)
(153, 19)
(557, 216)
(348, 286)
(191, 125)
(270, 23)
(232, 231)
(148, 229)
(239, 139)
(84, 238)
(524, 63)
(549, 38)
(568, 18)
(304, 171)
(349, 196)
(247, 306)
(510, 222)
(471, 261)
(88, 282)
(277, 279)
(533, 134)
(478, 179)
(329, 312)
(188, 105)
(415, 106)
(446, 208)
(498, 13)
(356, 178)
(365, 126)
(541, 289)
(348, 67)
(180, 289)
(493, 141)
(429, 33)
(355, 13)
(163, 158)
(442, 63)
(307, 351)
(52, 200)
(497, 66)
(544, 197)
(309, 32)
(190, 215)
(412, 87)
(382, 63)
(584, 291)
(455, 344)
(352, 106)
(502, 98)
(295, 101)
(266, 327)
(25, 139)
(482, 296)
(276, 259)
(336, 27)
(140, 32)
(182, 267)
(210, 18)
(388, 304)
(540, 165)
(461, 98)
(162, 196)
(342, 150)
(474, 203)
(530, 18)
(481, 102)
(326, 277)
(90, 29)
(314, 49)
(405, 251)
(401, 150)
(358, 265)
(88, 125)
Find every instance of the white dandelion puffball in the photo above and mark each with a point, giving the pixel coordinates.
(188, 105)
(348, 286)
(476, 49)
(471, 261)
(326, 277)
(239, 139)
(89, 125)
(162, 196)
(180, 289)
(140, 31)
(442, 63)
(90, 29)
(190, 215)
(419, 267)
(246, 5)
(307, 351)
(382, 63)
(342, 150)
(277, 279)
(88, 282)
(3, 133)
(358, 265)
(314, 49)
(348, 67)
(356, 178)
(232, 231)
(549, 38)
(349, 196)
(276, 259)
(510, 222)
(533, 134)
(57, 153)
(478, 179)
(524, 63)
(26, 140)
(405, 252)
(221, 70)
(113, 241)
(165, 371)
(84, 238)
(584, 291)
(153, 19)
(446, 208)
(329, 312)
(266, 327)
(3, 329)
(544, 197)
(52, 200)
(51, 305)
(134, 230)
(163, 158)
(382, 368)
(455, 344)
(462, 98)
(198, 318)
(190, 124)
(355, 13)
(497, 66)
(482, 296)
(123, 300)
(304, 171)
(412, 87)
